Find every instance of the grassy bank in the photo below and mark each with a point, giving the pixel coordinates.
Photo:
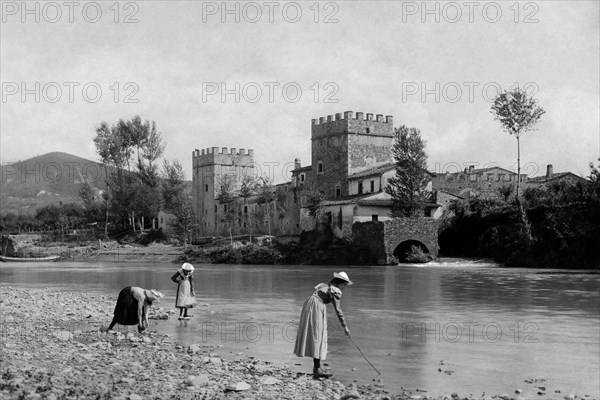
(562, 235)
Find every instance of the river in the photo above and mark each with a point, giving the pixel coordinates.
(451, 326)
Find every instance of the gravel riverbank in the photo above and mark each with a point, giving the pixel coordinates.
(53, 346)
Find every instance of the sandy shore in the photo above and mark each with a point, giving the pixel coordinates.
(52, 346)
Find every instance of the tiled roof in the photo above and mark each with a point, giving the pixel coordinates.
(554, 177)
(374, 171)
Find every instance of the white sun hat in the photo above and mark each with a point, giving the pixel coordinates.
(343, 276)
(188, 267)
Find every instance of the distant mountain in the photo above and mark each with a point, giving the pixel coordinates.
(47, 179)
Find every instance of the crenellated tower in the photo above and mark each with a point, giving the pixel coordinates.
(346, 144)
(209, 166)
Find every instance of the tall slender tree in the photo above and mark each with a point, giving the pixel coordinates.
(517, 113)
(408, 187)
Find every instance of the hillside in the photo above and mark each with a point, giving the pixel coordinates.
(47, 179)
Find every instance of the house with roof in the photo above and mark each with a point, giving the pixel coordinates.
(551, 177)
(472, 182)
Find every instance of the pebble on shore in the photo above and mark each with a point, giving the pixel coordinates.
(54, 346)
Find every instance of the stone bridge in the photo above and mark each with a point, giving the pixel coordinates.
(389, 240)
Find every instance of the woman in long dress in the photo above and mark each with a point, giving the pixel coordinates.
(185, 298)
(311, 338)
(132, 307)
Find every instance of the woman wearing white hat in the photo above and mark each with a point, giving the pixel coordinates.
(185, 290)
(311, 338)
(132, 307)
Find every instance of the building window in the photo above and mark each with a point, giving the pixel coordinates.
(215, 208)
(490, 177)
(245, 209)
(206, 187)
(368, 130)
(161, 220)
(374, 217)
(301, 177)
(338, 191)
(500, 177)
(372, 186)
(320, 167)
(225, 207)
(428, 212)
(360, 187)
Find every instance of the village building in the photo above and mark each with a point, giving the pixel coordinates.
(551, 178)
(470, 183)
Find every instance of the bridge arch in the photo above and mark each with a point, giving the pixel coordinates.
(400, 234)
(404, 250)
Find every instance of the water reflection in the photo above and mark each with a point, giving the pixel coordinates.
(492, 327)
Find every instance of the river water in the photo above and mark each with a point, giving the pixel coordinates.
(453, 326)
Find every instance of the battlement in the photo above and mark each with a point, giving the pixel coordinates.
(222, 156)
(211, 151)
(360, 116)
(347, 122)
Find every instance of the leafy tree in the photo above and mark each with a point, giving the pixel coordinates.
(266, 196)
(226, 196)
(506, 190)
(173, 183)
(313, 197)
(247, 190)
(131, 193)
(408, 187)
(518, 113)
(183, 224)
(594, 185)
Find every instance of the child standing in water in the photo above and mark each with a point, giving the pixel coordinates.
(311, 338)
(185, 297)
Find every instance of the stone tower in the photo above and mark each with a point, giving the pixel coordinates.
(209, 165)
(344, 145)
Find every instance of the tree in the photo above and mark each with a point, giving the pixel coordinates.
(518, 113)
(408, 187)
(266, 196)
(226, 196)
(594, 185)
(173, 183)
(247, 189)
(313, 203)
(183, 224)
(506, 190)
(131, 193)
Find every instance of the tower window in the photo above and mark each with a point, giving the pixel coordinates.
(301, 177)
(206, 187)
(338, 192)
(368, 130)
(320, 167)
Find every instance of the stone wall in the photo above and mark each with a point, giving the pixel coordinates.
(365, 151)
(371, 235)
(398, 230)
(332, 152)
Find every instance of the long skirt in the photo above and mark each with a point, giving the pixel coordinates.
(126, 310)
(184, 297)
(311, 337)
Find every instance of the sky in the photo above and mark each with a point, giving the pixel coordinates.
(208, 80)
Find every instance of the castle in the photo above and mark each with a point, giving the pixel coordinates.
(350, 154)
(351, 162)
